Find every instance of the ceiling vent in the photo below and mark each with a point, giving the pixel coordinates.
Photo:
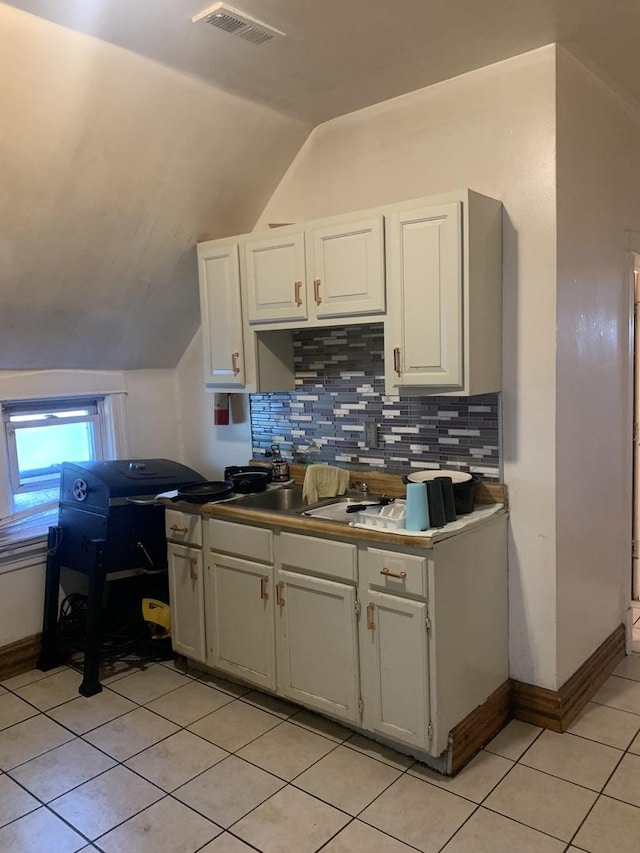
(237, 23)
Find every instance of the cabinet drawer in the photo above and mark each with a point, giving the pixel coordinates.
(395, 573)
(240, 540)
(183, 527)
(320, 556)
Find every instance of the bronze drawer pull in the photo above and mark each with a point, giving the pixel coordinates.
(396, 360)
(389, 574)
(177, 529)
(371, 625)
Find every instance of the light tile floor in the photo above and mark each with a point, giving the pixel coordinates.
(167, 760)
(635, 633)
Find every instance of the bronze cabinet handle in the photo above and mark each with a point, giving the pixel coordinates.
(371, 625)
(177, 529)
(264, 580)
(193, 569)
(234, 362)
(297, 292)
(396, 360)
(389, 574)
(316, 291)
(279, 595)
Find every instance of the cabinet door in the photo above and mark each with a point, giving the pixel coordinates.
(395, 668)
(424, 335)
(348, 268)
(276, 280)
(317, 641)
(187, 601)
(221, 312)
(239, 610)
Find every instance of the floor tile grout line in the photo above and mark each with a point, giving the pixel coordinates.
(45, 674)
(402, 772)
(248, 843)
(528, 825)
(528, 747)
(336, 744)
(602, 743)
(41, 804)
(159, 800)
(564, 779)
(584, 819)
(623, 753)
(382, 831)
(625, 678)
(74, 788)
(38, 805)
(482, 803)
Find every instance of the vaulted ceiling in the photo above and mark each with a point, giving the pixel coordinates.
(129, 133)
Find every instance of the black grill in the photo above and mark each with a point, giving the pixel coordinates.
(114, 501)
(109, 525)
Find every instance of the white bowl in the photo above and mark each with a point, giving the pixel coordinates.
(423, 476)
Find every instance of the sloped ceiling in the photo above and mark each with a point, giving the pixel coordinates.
(112, 168)
(128, 134)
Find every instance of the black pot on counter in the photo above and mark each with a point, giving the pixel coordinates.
(248, 479)
(463, 490)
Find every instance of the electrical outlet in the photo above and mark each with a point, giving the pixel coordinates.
(371, 434)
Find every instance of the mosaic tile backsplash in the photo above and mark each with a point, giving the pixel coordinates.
(339, 376)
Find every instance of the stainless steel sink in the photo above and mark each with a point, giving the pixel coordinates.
(285, 499)
(288, 499)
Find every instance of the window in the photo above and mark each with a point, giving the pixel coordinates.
(40, 436)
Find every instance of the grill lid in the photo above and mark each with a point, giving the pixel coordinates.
(94, 484)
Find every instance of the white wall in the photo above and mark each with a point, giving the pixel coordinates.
(153, 414)
(598, 199)
(209, 448)
(492, 130)
(151, 419)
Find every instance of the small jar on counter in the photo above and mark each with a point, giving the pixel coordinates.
(279, 466)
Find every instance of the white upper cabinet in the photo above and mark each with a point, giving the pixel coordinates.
(430, 269)
(347, 268)
(275, 277)
(220, 307)
(426, 275)
(444, 276)
(324, 270)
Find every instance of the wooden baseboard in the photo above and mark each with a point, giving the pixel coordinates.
(477, 729)
(20, 656)
(556, 709)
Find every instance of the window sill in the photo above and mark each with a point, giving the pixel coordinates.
(24, 539)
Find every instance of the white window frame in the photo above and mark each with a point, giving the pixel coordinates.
(95, 417)
(26, 385)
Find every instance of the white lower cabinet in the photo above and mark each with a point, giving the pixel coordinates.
(395, 668)
(239, 610)
(317, 642)
(186, 593)
(399, 642)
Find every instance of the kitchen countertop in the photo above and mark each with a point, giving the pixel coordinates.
(491, 501)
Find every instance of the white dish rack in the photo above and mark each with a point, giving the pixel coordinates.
(393, 516)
